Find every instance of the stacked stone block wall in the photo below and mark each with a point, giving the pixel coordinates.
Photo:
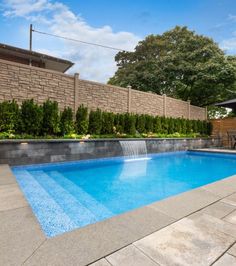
(20, 82)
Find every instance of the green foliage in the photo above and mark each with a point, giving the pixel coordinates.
(119, 123)
(82, 120)
(130, 121)
(95, 122)
(157, 126)
(31, 117)
(9, 116)
(181, 64)
(51, 119)
(149, 123)
(33, 120)
(66, 121)
(141, 123)
(216, 112)
(107, 123)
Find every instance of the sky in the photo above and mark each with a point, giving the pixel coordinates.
(116, 23)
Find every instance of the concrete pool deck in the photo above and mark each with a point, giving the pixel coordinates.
(196, 227)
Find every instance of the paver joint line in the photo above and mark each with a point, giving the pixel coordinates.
(223, 254)
(34, 251)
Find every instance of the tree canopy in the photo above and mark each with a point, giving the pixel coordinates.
(180, 64)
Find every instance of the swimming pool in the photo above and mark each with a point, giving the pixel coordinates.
(70, 195)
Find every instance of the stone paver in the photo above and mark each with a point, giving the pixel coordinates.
(185, 203)
(144, 221)
(6, 176)
(222, 188)
(83, 246)
(20, 236)
(11, 197)
(102, 262)
(230, 200)
(231, 218)
(218, 209)
(226, 260)
(130, 256)
(190, 241)
(232, 250)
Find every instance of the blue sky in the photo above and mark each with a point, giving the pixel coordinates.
(119, 23)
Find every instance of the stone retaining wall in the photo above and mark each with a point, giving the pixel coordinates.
(16, 152)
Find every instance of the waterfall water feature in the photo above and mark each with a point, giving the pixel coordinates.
(133, 149)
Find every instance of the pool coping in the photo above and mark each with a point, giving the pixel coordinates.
(25, 243)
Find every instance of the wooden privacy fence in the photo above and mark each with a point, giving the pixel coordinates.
(225, 128)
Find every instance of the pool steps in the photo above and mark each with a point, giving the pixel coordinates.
(44, 206)
(62, 207)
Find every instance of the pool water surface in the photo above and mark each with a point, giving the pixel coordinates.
(70, 195)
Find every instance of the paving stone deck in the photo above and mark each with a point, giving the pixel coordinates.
(193, 228)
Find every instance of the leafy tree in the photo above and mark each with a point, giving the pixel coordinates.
(82, 122)
(179, 63)
(66, 121)
(31, 117)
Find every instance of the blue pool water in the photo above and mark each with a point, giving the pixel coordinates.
(65, 196)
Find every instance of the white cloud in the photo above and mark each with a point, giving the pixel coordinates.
(229, 45)
(91, 62)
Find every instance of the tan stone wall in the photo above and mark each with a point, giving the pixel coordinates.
(197, 112)
(146, 103)
(22, 82)
(176, 108)
(106, 97)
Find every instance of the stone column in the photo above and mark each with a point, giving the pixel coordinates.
(164, 105)
(129, 99)
(189, 109)
(76, 92)
(206, 116)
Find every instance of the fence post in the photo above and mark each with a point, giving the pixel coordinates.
(129, 98)
(164, 105)
(76, 92)
(189, 109)
(206, 116)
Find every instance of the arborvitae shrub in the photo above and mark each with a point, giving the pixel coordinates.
(31, 117)
(9, 116)
(95, 122)
(189, 126)
(149, 123)
(130, 121)
(183, 126)
(51, 119)
(66, 121)
(140, 123)
(82, 121)
(157, 127)
(107, 123)
(171, 127)
(164, 125)
(119, 123)
(195, 126)
(178, 125)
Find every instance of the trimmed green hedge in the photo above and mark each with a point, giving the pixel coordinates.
(46, 120)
